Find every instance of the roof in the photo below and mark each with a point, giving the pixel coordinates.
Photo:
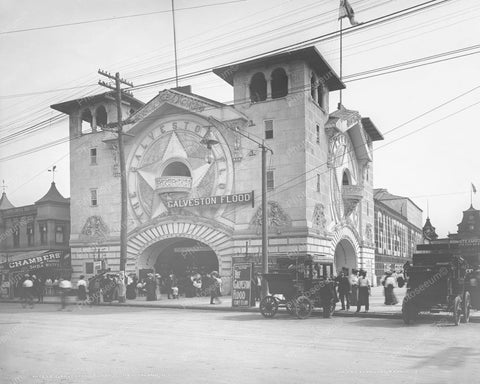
(52, 196)
(310, 54)
(381, 194)
(68, 106)
(5, 203)
(371, 129)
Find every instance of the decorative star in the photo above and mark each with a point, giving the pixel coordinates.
(150, 172)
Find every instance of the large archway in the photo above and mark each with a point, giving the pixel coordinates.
(345, 256)
(181, 256)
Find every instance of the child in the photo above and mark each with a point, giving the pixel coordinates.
(175, 292)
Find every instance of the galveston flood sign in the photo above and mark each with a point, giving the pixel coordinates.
(246, 197)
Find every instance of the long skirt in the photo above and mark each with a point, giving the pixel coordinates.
(82, 293)
(131, 293)
(354, 295)
(390, 298)
(363, 296)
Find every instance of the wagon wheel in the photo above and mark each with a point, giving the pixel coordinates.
(303, 307)
(408, 312)
(290, 306)
(466, 308)
(268, 306)
(329, 309)
(457, 310)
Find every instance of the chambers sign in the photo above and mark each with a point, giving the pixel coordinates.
(49, 258)
(246, 197)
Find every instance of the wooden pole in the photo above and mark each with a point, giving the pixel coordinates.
(175, 43)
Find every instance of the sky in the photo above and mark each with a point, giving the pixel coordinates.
(433, 159)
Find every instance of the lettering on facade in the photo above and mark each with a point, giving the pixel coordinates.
(211, 200)
(34, 260)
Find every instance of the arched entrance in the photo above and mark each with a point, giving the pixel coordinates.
(345, 256)
(180, 255)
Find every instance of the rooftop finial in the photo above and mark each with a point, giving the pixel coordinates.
(53, 170)
(4, 187)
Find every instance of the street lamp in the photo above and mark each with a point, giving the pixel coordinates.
(209, 140)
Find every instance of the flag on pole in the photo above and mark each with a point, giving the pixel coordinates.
(346, 10)
(474, 190)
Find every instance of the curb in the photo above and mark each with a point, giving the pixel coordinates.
(368, 315)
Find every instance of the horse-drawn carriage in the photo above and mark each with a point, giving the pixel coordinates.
(299, 285)
(436, 283)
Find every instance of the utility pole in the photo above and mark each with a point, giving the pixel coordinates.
(121, 152)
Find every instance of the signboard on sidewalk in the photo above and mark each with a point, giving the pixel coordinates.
(242, 285)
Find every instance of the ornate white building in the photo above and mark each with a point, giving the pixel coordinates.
(193, 208)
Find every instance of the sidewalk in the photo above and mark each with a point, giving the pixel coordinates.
(377, 308)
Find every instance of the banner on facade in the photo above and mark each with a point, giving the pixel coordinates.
(242, 285)
(43, 259)
(246, 197)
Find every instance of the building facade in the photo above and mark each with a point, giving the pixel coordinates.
(35, 238)
(193, 208)
(398, 230)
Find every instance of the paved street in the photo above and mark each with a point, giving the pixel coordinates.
(143, 345)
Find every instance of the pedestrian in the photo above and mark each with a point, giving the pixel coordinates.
(215, 288)
(38, 288)
(174, 286)
(121, 288)
(363, 291)
(151, 287)
(65, 286)
(258, 286)
(131, 287)
(344, 290)
(389, 284)
(354, 287)
(27, 291)
(82, 289)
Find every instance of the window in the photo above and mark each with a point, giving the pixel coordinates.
(89, 268)
(101, 117)
(268, 129)
(270, 181)
(313, 86)
(86, 121)
(93, 197)
(16, 236)
(30, 238)
(318, 182)
(368, 209)
(318, 134)
(93, 156)
(43, 233)
(345, 178)
(258, 88)
(279, 83)
(59, 236)
(320, 95)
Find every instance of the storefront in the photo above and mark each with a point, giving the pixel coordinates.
(44, 264)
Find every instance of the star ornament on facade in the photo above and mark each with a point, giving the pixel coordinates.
(174, 151)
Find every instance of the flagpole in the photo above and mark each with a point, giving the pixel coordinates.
(175, 43)
(341, 59)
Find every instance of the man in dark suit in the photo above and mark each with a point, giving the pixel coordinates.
(344, 289)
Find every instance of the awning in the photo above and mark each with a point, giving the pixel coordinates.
(35, 260)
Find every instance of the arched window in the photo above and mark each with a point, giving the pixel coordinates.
(279, 83)
(313, 86)
(258, 88)
(86, 121)
(320, 94)
(176, 168)
(345, 178)
(101, 116)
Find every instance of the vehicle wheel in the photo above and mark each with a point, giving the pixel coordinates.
(466, 308)
(303, 307)
(408, 312)
(268, 306)
(457, 310)
(290, 307)
(328, 310)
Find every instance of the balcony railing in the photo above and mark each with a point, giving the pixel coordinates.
(351, 194)
(166, 184)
